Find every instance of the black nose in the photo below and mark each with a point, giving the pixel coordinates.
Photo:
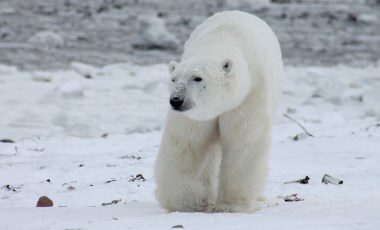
(176, 102)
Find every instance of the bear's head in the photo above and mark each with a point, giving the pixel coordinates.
(203, 89)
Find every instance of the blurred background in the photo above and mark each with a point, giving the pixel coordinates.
(40, 34)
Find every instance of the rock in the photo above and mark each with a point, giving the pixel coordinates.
(111, 203)
(41, 76)
(47, 39)
(153, 34)
(138, 177)
(7, 10)
(367, 18)
(300, 136)
(370, 113)
(241, 4)
(44, 201)
(300, 181)
(9, 187)
(292, 198)
(87, 71)
(7, 141)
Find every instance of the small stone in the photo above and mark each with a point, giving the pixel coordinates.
(370, 113)
(41, 77)
(7, 141)
(178, 226)
(355, 85)
(291, 110)
(300, 136)
(44, 201)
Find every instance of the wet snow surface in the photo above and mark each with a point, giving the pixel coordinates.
(83, 135)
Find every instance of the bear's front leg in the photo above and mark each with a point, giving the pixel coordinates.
(186, 165)
(245, 145)
(180, 193)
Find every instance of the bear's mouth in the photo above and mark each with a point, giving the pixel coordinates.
(183, 108)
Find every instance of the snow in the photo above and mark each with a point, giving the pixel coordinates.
(80, 140)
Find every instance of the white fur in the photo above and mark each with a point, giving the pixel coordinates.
(213, 156)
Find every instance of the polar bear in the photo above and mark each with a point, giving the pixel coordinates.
(214, 150)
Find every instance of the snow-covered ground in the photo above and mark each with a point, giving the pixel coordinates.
(81, 137)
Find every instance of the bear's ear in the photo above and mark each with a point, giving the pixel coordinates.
(172, 66)
(227, 65)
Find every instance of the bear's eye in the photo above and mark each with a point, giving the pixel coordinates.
(198, 79)
(173, 80)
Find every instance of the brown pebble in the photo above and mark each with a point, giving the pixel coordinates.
(44, 201)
